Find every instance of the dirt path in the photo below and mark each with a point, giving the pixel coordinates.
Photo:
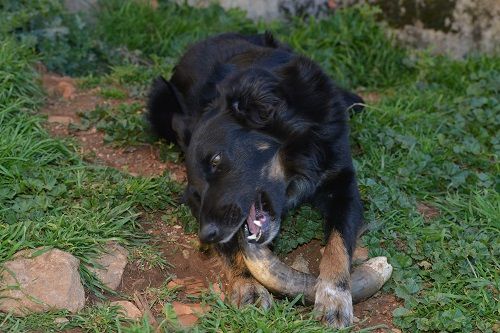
(192, 267)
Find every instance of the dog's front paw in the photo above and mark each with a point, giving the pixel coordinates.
(333, 304)
(246, 291)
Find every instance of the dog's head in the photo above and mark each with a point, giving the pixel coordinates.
(236, 173)
(237, 150)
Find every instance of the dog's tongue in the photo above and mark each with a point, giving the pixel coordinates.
(254, 229)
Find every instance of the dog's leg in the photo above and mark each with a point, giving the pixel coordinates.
(339, 201)
(243, 288)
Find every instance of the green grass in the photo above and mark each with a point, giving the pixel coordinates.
(433, 138)
(48, 196)
(123, 124)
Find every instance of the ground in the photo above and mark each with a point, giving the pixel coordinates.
(190, 265)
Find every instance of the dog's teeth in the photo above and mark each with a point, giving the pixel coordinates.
(252, 237)
(258, 236)
(257, 223)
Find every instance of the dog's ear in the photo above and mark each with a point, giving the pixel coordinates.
(313, 95)
(167, 113)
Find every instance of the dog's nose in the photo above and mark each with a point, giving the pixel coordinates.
(209, 233)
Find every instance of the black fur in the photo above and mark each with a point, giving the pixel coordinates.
(279, 125)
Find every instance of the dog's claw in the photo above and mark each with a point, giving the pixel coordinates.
(333, 305)
(248, 291)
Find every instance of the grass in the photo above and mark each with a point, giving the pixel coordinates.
(48, 196)
(433, 139)
(123, 124)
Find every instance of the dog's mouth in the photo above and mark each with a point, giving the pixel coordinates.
(258, 224)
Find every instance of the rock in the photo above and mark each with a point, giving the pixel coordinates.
(185, 254)
(192, 286)
(360, 255)
(300, 263)
(270, 9)
(113, 262)
(61, 119)
(66, 89)
(129, 309)
(187, 320)
(61, 320)
(49, 281)
(188, 313)
(59, 85)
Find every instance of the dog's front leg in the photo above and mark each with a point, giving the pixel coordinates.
(339, 201)
(243, 288)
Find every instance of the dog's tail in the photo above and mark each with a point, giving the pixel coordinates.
(163, 103)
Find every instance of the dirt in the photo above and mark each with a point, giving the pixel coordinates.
(194, 267)
(427, 211)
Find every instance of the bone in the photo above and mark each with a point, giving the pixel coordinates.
(279, 278)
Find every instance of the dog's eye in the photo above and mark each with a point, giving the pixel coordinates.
(215, 161)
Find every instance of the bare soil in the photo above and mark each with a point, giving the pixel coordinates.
(193, 265)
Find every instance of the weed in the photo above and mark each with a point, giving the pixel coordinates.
(101, 318)
(299, 228)
(65, 41)
(122, 125)
(113, 93)
(352, 47)
(181, 215)
(163, 294)
(149, 257)
(171, 153)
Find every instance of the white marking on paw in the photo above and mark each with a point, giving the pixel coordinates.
(333, 304)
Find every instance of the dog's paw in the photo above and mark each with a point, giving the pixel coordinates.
(249, 291)
(333, 304)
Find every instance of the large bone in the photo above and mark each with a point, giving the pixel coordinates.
(273, 274)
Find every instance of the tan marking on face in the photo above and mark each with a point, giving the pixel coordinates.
(275, 169)
(263, 146)
(334, 265)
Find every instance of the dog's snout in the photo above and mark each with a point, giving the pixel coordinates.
(209, 233)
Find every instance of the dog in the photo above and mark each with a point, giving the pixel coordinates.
(263, 130)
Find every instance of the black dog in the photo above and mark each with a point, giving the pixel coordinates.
(263, 130)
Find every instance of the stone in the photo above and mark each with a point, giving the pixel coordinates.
(188, 313)
(113, 263)
(190, 285)
(187, 320)
(66, 89)
(300, 263)
(61, 119)
(61, 320)
(129, 309)
(38, 283)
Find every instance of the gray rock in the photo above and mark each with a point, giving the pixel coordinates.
(49, 281)
(129, 310)
(113, 263)
(301, 264)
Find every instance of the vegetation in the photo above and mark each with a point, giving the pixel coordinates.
(430, 141)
